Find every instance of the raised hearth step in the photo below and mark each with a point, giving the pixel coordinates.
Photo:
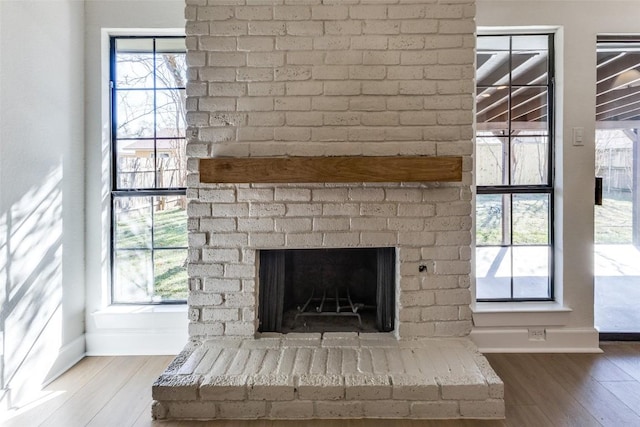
(330, 375)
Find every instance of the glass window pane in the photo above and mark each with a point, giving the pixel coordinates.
(133, 271)
(134, 70)
(530, 52)
(492, 61)
(134, 63)
(530, 219)
(489, 219)
(491, 105)
(622, 102)
(170, 274)
(529, 160)
(134, 45)
(530, 43)
(170, 222)
(170, 113)
(135, 164)
(137, 66)
(171, 69)
(614, 163)
(135, 113)
(171, 45)
(172, 163)
(498, 43)
(491, 152)
(493, 273)
(132, 219)
(531, 271)
(529, 109)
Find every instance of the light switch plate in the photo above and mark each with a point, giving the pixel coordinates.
(578, 136)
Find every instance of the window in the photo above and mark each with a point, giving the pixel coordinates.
(514, 173)
(148, 168)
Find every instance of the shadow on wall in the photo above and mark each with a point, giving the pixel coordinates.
(41, 194)
(31, 291)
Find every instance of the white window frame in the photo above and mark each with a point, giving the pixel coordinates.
(133, 329)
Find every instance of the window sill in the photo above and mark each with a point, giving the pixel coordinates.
(491, 314)
(151, 317)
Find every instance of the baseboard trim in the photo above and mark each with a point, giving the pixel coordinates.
(165, 343)
(68, 356)
(557, 340)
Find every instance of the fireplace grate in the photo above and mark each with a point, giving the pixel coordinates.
(330, 305)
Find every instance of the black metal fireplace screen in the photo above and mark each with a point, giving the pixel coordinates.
(323, 290)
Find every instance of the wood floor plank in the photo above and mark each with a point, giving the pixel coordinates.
(628, 392)
(559, 405)
(93, 396)
(133, 398)
(58, 392)
(144, 420)
(526, 416)
(625, 356)
(515, 393)
(598, 367)
(337, 423)
(592, 395)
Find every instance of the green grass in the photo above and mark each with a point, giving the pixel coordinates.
(170, 228)
(171, 274)
(613, 219)
(488, 220)
(529, 222)
(134, 231)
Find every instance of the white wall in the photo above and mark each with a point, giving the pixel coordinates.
(118, 330)
(578, 23)
(41, 193)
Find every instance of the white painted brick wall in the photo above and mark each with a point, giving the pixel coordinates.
(327, 77)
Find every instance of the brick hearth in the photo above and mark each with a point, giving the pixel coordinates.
(336, 375)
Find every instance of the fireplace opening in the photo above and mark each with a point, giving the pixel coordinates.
(327, 290)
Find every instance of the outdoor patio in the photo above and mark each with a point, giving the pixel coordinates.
(617, 288)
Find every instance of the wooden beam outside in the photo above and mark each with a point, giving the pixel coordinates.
(618, 124)
(331, 169)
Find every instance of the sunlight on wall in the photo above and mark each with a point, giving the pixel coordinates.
(31, 271)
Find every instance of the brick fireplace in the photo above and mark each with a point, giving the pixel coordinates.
(327, 290)
(432, 250)
(283, 78)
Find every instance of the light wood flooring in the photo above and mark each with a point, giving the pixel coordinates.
(540, 390)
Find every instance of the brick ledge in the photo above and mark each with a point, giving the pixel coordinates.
(304, 376)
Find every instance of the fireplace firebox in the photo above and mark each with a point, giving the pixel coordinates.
(327, 290)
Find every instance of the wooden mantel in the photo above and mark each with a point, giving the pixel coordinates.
(331, 169)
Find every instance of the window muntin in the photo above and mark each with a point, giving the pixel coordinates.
(149, 236)
(514, 148)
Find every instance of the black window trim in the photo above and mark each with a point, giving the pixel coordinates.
(116, 192)
(548, 188)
